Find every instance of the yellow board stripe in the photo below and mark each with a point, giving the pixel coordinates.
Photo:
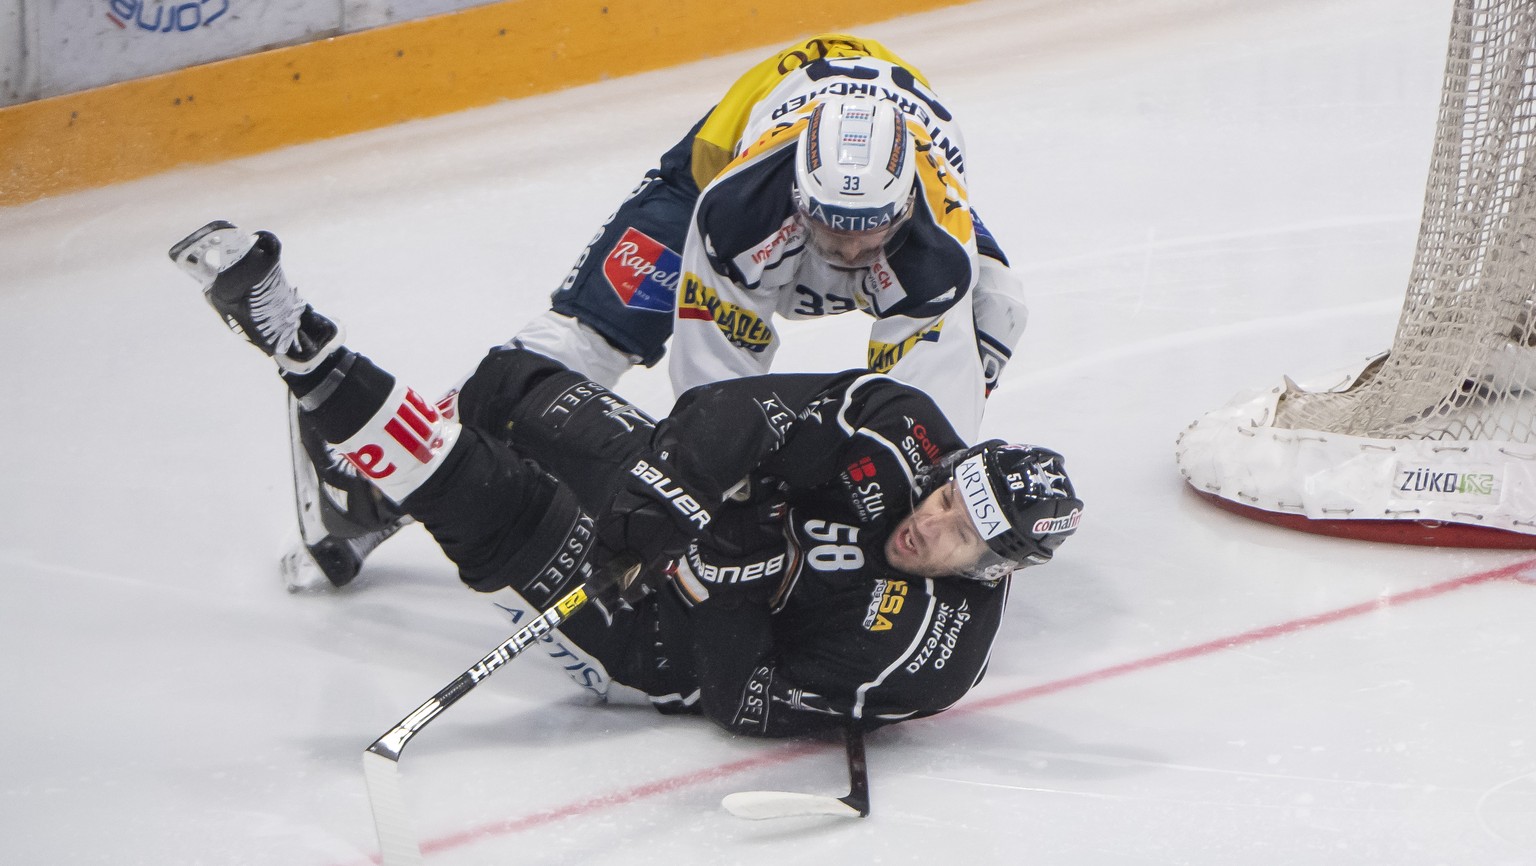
(375, 78)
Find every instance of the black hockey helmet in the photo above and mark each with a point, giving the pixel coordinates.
(1018, 497)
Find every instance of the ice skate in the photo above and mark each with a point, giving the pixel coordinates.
(243, 280)
(331, 561)
(342, 517)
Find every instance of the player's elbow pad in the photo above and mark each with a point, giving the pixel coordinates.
(998, 306)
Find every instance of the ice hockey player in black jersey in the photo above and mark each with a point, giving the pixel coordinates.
(786, 552)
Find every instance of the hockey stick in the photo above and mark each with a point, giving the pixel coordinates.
(381, 761)
(760, 805)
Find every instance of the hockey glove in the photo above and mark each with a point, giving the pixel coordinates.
(745, 563)
(997, 303)
(652, 517)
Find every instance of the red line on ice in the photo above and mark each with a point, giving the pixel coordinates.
(786, 752)
(1248, 637)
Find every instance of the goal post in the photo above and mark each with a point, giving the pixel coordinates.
(1433, 441)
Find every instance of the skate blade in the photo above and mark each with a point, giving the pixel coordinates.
(210, 249)
(337, 560)
(301, 574)
(185, 243)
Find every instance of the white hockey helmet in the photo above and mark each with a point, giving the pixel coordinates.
(855, 179)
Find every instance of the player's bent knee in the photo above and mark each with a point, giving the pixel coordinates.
(499, 386)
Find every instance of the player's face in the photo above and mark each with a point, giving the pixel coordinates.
(937, 539)
(849, 249)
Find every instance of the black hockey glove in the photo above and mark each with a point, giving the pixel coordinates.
(652, 517)
(745, 562)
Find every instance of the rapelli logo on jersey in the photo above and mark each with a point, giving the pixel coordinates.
(883, 356)
(739, 325)
(643, 272)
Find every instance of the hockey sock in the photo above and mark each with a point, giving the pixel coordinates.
(341, 394)
(394, 437)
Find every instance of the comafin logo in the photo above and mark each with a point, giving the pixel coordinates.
(1054, 525)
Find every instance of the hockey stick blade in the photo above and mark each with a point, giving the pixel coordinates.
(762, 805)
(397, 839)
(381, 760)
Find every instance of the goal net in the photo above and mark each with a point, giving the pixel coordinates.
(1433, 441)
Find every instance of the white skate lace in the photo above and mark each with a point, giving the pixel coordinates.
(276, 310)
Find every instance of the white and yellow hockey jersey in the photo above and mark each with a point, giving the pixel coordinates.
(745, 262)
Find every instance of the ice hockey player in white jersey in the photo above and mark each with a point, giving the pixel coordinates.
(830, 179)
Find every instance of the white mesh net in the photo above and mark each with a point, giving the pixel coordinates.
(1441, 429)
(1463, 362)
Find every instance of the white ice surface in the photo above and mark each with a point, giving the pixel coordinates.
(1201, 195)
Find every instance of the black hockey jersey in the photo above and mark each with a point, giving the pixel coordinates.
(782, 614)
(845, 636)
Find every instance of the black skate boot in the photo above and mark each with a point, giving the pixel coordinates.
(243, 280)
(342, 517)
